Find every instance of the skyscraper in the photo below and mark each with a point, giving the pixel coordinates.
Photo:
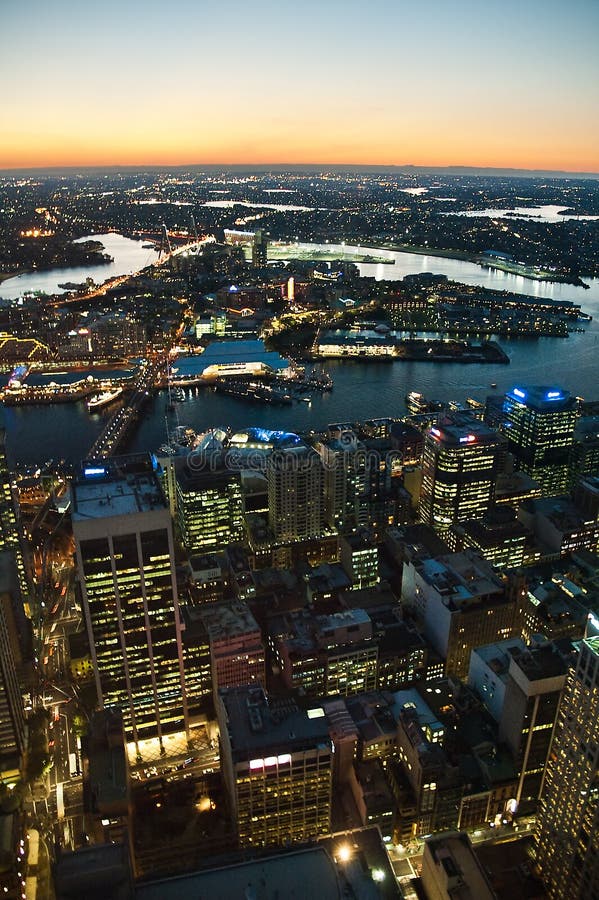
(12, 718)
(460, 465)
(539, 424)
(567, 828)
(126, 568)
(8, 521)
(208, 507)
(344, 475)
(294, 477)
(260, 249)
(10, 530)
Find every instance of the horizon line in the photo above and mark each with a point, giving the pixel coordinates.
(319, 167)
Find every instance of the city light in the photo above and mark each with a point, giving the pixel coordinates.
(344, 853)
(230, 552)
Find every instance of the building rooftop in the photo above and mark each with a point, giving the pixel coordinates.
(560, 511)
(460, 873)
(373, 715)
(539, 663)
(108, 774)
(191, 479)
(226, 352)
(227, 620)
(104, 490)
(497, 656)
(361, 338)
(97, 872)
(410, 699)
(328, 577)
(542, 398)
(292, 873)
(462, 579)
(257, 724)
(303, 632)
(462, 430)
(329, 625)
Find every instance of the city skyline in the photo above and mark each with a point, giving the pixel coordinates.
(470, 85)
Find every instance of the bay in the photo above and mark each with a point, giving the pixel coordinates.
(361, 390)
(129, 256)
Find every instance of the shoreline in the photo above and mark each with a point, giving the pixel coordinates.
(489, 263)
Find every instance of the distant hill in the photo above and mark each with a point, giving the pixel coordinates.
(278, 168)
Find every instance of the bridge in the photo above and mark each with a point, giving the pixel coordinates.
(166, 252)
(119, 425)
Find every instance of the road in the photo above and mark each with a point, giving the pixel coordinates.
(58, 816)
(124, 418)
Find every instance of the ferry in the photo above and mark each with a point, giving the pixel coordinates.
(416, 403)
(97, 401)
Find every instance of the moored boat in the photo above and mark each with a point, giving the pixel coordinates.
(98, 401)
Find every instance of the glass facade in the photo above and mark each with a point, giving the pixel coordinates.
(129, 593)
(125, 559)
(567, 830)
(210, 511)
(539, 425)
(459, 469)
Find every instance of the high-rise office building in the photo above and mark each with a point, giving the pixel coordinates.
(539, 425)
(325, 655)
(276, 762)
(126, 568)
(208, 507)
(360, 560)
(584, 453)
(460, 465)
(11, 537)
(8, 521)
(294, 477)
(521, 687)
(260, 250)
(344, 477)
(12, 717)
(567, 827)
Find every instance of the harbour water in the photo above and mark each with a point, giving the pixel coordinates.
(361, 390)
(128, 255)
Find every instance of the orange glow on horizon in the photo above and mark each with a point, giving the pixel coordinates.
(315, 84)
(244, 140)
(317, 157)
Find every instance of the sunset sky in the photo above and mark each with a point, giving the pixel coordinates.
(436, 82)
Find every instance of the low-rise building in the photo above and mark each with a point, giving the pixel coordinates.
(451, 869)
